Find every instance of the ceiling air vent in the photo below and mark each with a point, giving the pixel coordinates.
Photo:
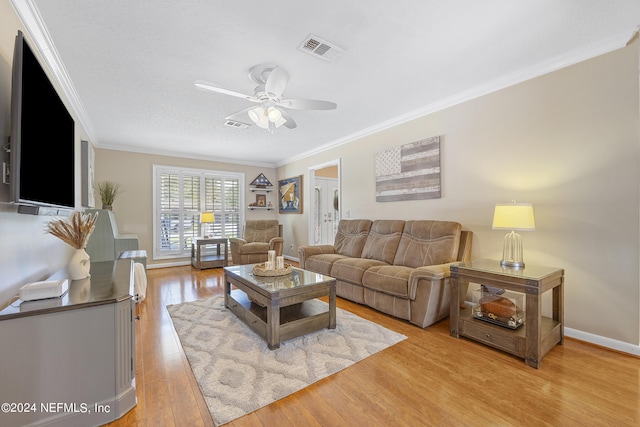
(234, 124)
(319, 48)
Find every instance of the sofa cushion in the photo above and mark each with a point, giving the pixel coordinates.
(351, 237)
(351, 269)
(428, 243)
(389, 279)
(254, 248)
(322, 263)
(382, 242)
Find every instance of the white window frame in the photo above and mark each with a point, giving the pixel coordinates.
(203, 173)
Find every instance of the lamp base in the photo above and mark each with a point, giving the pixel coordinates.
(512, 264)
(512, 251)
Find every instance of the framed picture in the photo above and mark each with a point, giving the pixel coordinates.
(290, 195)
(261, 200)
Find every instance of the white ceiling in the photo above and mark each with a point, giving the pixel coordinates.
(129, 65)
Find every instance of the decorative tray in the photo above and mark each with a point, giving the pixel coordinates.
(260, 270)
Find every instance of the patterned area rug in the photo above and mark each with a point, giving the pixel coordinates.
(236, 371)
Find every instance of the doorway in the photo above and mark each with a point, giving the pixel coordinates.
(324, 214)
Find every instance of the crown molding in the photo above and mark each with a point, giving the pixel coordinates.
(579, 55)
(183, 155)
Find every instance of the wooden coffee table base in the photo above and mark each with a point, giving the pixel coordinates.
(280, 319)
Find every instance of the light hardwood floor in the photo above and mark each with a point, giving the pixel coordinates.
(429, 379)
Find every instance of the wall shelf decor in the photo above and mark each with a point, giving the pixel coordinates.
(262, 187)
(261, 181)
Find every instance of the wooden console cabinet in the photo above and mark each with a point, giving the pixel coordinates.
(70, 361)
(539, 334)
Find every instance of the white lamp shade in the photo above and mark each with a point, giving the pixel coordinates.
(514, 216)
(207, 217)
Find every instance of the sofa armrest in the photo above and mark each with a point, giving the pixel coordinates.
(277, 244)
(305, 252)
(433, 273)
(428, 274)
(237, 240)
(236, 247)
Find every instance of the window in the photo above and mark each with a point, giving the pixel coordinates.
(180, 195)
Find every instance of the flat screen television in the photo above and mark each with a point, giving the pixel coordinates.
(42, 143)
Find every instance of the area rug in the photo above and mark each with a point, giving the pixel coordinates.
(236, 371)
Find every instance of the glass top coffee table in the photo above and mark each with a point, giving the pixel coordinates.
(283, 307)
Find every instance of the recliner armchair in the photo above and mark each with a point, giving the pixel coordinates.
(258, 237)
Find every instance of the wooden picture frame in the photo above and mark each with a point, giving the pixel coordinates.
(290, 195)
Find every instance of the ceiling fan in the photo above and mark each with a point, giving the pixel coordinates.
(272, 111)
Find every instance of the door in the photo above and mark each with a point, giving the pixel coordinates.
(326, 196)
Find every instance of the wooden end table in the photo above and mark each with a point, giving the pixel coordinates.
(204, 257)
(538, 334)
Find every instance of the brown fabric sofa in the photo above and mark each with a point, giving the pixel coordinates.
(258, 238)
(398, 267)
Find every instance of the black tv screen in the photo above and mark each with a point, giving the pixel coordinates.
(42, 136)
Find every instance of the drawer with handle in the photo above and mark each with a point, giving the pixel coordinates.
(494, 336)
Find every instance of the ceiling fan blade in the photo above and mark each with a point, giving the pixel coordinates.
(208, 86)
(307, 104)
(276, 82)
(290, 123)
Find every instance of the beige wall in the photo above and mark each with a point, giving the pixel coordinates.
(568, 143)
(134, 207)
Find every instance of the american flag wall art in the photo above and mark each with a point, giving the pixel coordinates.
(409, 172)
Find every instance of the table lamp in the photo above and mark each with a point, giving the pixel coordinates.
(513, 216)
(207, 218)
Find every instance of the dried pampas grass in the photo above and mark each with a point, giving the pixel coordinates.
(75, 230)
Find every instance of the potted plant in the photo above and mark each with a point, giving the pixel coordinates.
(108, 190)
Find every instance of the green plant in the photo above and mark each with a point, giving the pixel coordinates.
(108, 190)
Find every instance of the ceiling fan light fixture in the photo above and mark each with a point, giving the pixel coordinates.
(256, 114)
(263, 116)
(272, 81)
(274, 114)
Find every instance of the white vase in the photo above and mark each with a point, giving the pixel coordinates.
(79, 265)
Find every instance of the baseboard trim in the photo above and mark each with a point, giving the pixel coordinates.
(610, 343)
(289, 257)
(168, 264)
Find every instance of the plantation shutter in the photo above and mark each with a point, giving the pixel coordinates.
(181, 195)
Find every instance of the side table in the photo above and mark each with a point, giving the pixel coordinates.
(202, 256)
(538, 335)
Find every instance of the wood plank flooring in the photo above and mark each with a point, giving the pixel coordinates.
(429, 379)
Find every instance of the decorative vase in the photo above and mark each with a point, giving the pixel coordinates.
(79, 265)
